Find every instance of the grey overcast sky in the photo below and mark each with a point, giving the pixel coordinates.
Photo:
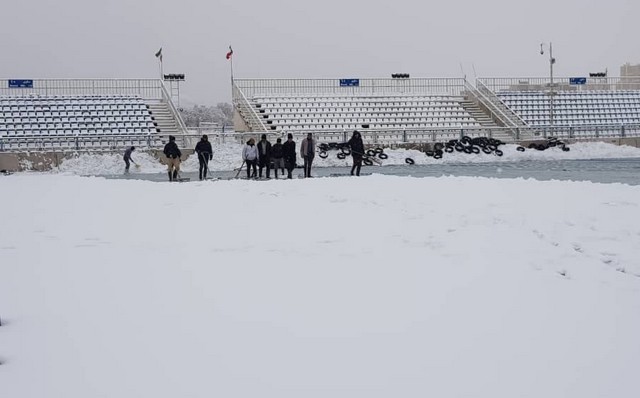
(328, 38)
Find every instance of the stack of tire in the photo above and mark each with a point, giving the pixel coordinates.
(344, 151)
(550, 143)
(470, 146)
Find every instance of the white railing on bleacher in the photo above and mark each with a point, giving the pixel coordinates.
(242, 104)
(367, 86)
(166, 97)
(118, 142)
(493, 104)
(150, 89)
(497, 84)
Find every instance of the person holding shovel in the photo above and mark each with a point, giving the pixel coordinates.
(205, 154)
(127, 158)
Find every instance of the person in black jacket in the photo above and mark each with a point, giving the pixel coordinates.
(357, 151)
(289, 154)
(205, 154)
(264, 155)
(173, 154)
(277, 155)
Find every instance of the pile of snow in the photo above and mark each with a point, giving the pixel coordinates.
(228, 157)
(371, 287)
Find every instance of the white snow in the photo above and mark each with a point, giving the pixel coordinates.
(228, 157)
(371, 287)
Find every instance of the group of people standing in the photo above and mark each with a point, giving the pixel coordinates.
(257, 157)
(282, 156)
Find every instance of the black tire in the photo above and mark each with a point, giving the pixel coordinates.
(437, 156)
(333, 145)
(468, 150)
(520, 149)
(475, 150)
(438, 152)
(533, 146)
(341, 156)
(383, 156)
(438, 146)
(323, 154)
(565, 149)
(449, 149)
(346, 150)
(323, 147)
(409, 161)
(493, 147)
(498, 152)
(429, 153)
(541, 147)
(367, 161)
(486, 150)
(459, 147)
(378, 150)
(551, 144)
(371, 152)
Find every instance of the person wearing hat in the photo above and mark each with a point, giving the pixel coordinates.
(289, 154)
(173, 154)
(205, 154)
(277, 156)
(264, 155)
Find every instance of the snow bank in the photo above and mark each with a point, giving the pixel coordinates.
(371, 287)
(228, 157)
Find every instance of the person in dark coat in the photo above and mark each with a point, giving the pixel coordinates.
(127, 158)
(264, 155)
(277, 156)
(308, 152)
(205, 154)
(289, 154)
(357, 151)
(173, 154)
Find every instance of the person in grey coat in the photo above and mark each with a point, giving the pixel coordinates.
(308, 152)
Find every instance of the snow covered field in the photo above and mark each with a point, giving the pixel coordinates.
(227, 157)
(332, 287)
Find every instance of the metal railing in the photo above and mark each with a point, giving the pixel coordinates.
(367, 86)
(118, 142)
(497, 84)
(497, 110)
(166, 97)
(145, 88)
(246, 110)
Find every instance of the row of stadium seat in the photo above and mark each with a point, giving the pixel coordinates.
(59, 115)
(574, 108)
(317, 112)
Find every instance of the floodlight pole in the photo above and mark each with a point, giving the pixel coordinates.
(552, 61)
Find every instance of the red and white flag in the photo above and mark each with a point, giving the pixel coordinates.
(230, 53)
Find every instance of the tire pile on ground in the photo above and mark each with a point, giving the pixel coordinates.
(551, 142)
(344, 151)
(466, 145)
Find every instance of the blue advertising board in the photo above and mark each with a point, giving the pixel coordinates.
(349, 82)
(20, 83)
(577, 80)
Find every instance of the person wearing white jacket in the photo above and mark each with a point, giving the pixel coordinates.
(250, 156)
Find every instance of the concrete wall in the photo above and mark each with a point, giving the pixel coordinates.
(44, 161)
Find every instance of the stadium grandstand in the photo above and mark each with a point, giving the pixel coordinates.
(402, 109)
(72, 115)
(86, 114)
